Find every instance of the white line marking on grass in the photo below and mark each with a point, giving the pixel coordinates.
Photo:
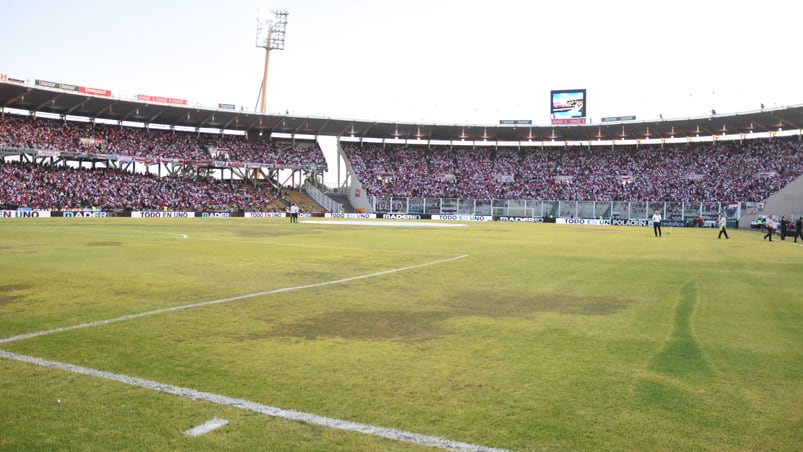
(390, 433)
(223, 300)
(206, 427)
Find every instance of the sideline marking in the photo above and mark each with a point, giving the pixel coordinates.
(222, 300)
(298, 416)
(206, 427)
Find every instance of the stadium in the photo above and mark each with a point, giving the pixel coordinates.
(459, 287)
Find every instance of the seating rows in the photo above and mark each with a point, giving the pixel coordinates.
(749, 170)
(65, 188)
(155, 144)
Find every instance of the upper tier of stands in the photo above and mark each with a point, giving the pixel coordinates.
(156, 144)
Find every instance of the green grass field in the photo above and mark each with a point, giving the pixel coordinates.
(509, 336)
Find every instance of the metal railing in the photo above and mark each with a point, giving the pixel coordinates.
(556, 209)
(320, 197)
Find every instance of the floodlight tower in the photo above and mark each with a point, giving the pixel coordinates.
(270, 36)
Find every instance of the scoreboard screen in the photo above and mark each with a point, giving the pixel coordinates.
(568, 106)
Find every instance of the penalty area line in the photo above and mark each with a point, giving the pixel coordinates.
(291, 415)
(223, 300)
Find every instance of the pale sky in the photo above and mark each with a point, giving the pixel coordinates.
(421, 61)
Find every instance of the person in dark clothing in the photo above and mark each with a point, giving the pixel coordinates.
(784, 227)
(799, 229)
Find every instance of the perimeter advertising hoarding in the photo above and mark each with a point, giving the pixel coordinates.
(568, 106)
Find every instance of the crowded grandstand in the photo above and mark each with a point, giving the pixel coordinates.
(56, 161)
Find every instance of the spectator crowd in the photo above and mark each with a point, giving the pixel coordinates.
(748, 170)
(151, 144)
(64, 188)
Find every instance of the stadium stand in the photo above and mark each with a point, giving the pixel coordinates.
(50, 183)
(736, 170)
(747, 170)
(26, 132)
(65, 188)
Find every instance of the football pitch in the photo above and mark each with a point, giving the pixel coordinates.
(137, 334)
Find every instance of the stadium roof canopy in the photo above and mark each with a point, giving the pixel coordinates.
(25, 96)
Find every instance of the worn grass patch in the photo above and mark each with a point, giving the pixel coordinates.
(502, 304)
(371, 325)
(10, 293)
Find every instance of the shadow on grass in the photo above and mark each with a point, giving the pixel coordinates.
(682, 355)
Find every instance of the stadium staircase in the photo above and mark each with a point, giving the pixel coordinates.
(300, 199)
(343, 200)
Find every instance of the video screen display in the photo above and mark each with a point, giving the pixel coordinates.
(568, 106)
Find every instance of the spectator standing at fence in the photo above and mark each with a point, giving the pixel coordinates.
(723, 224)
(656, 223)
(770, 227)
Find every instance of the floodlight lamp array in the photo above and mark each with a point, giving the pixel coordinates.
(271, 31)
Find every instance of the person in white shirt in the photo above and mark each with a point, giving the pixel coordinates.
(294, 213)
(656, 223)
(770, 227)
(723, 223)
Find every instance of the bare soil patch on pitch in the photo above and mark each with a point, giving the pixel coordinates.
(494, 304)
(105, 244)
(371, 325)
(10, 293)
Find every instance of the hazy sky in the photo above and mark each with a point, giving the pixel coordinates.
(428, 61)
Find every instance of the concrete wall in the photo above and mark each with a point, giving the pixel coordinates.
(787, 202)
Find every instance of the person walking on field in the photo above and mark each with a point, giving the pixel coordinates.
(799, 229)
(656, 223)
(770, 227)
(723, 224)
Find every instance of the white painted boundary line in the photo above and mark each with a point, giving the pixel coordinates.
(390, 433)
(206, 427)
(222, 300)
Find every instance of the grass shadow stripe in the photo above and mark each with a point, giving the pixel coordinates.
(682, 354)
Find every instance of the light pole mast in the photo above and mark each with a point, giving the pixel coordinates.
(270, 36)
